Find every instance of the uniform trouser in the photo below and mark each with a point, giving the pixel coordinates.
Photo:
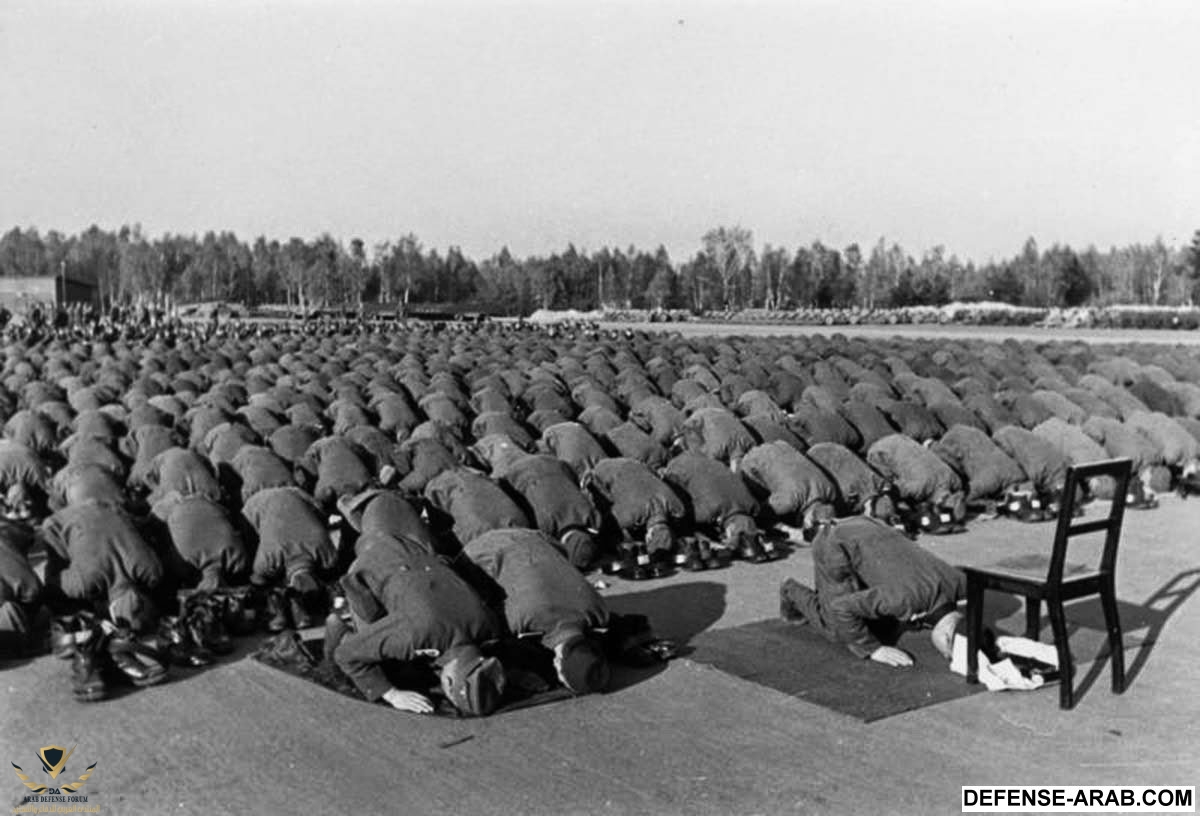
(182, 573)
(832, 579)
(362, 654)
(296, 557)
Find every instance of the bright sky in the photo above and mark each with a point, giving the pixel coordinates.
(968, 124)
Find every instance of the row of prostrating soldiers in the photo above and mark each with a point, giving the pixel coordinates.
(671, 511)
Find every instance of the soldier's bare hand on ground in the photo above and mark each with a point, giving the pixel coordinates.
(412, 701)
(891, 656)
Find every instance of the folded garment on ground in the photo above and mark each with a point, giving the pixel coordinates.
(1003, 675)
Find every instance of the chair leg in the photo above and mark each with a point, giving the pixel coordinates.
(1033, 617)
(1058, 624)
(1116, 645)
(975, 591)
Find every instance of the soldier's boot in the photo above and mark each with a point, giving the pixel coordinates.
(89, 660)
(277, 614)
(688, 557)
(66, 629)
(306, 598)
(136, 661)
(206, 626)
(639, 568)
(173, 642)
(750, 548)
(237, 610)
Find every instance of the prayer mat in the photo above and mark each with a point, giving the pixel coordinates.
(300, 657)
(798, 661)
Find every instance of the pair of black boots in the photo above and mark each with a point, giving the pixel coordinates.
(637, 563)
(302, 604)
(201, 629)
(752, 547)
(697, 554)
(933, 520)
(101, 653)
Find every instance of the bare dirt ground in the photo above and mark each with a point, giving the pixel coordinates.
(243, 738)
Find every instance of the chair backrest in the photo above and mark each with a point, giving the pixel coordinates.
(1077, 475)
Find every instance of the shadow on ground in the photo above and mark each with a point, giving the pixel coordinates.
(1147, 619)
(676, 611)
(1141, 626)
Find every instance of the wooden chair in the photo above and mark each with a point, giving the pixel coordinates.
(1054, 588)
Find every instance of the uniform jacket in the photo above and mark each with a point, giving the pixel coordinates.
(873, 571)
(550, 491)
(716, 493)
(290, 531)
(103, 551)
(541, 591)
(635, 496)
(474, 503)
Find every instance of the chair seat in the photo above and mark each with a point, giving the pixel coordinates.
(1032, 585)
(1032, 566)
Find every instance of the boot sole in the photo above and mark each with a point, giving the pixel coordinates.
(148, 681)
(91, 695)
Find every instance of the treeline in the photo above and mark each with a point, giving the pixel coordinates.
(726, 272)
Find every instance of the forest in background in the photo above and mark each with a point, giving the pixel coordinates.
(727, 271)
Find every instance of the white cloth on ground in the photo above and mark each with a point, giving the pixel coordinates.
(1002, 676)
(1024, 647)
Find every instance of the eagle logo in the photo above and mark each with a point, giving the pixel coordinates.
(54, 761)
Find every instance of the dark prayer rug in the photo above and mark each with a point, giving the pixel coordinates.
(798, 661)
(302, 657)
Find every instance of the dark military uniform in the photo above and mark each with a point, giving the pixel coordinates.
(917, 472)
(142, 445)
(716, 493)
(387, 512)
(858, 484)
(21, 465)
(657, 417)
(257, 468)
(552, 495)
(202, 548)
(573, 444)
(473, 503)
(178, 470)
(631, 442)
(291, 442)
(106, 560)
(291, 533)
(718, 434)
(867, 573)
(636, 498)
(792, 482)
(410, 605)
(1045, 465)
(20, 588)
(989, 470)
(338, 468)
(543, 593)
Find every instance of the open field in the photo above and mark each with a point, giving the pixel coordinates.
(949, 331)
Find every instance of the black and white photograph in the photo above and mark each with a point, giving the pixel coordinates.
(517, 407)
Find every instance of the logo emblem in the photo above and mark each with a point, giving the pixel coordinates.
(54, 761)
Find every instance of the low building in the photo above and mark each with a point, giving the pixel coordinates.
(18, 294)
